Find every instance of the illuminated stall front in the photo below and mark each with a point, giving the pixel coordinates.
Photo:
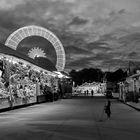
(129, 89)
(28, 77)
(90, 87)
(21, 77)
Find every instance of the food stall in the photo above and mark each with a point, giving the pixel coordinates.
(21, 78)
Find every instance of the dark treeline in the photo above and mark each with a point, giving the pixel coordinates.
(96, 75)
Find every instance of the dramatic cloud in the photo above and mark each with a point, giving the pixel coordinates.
(9, 4)
(94, 33)
(78, 21)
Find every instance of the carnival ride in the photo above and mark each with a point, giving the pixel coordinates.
(16, 37)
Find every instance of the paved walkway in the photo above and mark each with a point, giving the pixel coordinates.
(116, 95)
(131, 104)
(77, 118)
(134, 105)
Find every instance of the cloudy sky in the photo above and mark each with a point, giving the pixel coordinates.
(94, 33)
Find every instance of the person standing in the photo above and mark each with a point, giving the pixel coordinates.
(87, 92)
(92, 92)
(107, 109)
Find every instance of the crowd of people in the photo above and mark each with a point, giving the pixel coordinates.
(87, 93)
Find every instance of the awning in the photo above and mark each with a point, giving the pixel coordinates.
(45, 63)
(40, 62)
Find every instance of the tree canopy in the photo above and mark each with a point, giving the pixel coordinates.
(96, 75)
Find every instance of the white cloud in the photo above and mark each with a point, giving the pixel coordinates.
(9, 4)
(119, 18)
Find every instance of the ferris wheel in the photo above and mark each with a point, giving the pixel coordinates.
(16, 37)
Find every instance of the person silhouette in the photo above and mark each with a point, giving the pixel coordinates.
(107, 109)
(87, 92)
(92, 92)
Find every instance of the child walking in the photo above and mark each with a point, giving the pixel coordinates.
(107, 109)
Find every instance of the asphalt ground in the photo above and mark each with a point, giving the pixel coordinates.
(78, 118)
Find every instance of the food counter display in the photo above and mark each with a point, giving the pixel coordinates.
(22, 88)
(23, 93)
(4, 96)
(4, 91)
(22, 83)
(48, 88)
(17, 85)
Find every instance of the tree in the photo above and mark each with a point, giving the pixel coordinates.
(96, 75)
(86, 75)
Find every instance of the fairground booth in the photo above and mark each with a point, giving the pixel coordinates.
(129, 89)
(28, 79)
(88, 88)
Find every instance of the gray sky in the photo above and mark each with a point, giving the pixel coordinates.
(94, 33)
